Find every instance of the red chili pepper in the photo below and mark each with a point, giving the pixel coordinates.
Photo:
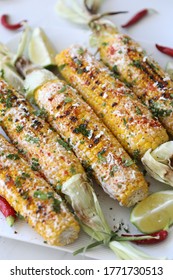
(6, 24)
(165, 50)
(7, 211)
(137, 17)
(157, 237)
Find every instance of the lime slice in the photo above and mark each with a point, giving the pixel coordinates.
(169, 69)
(12, 77)
(153, 213)
(23, 43)
(40, 50)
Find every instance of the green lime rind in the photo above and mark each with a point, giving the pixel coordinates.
(153, 213)
(40, 49)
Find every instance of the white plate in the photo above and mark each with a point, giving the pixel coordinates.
(62, 38)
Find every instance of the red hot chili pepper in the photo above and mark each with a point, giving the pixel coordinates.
(157, 237)
(165, 50)
(8, 211)
(137, 17)
(6, 24)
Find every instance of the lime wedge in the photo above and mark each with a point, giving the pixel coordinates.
(169, 69)
(153, 213)
(40, 50)
(12, 77)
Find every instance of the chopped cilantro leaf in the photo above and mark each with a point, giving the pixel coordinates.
(82, 128)
(64, 144)
(62, 89)
(41, 113)
(13, 156)
(19, 128)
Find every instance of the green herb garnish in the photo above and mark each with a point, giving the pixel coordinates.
(64, 144)
(19, 128)
(104, 44)
(72, 169)
(115, 69)
(35, 164)
(41, 195)
(104, 104)
(32, 139)
(80, 71)
(41, 113)
(82, 129)
(25, 175)
(101, 157)
(78, 62)
(62, 89)
(17, 182)
(7, 99)
(137, 64)
(56, 205)
(158, 111)
(21, 151)
(113, 170)
(126, 40)
(127, 162)
(88, 168)
(138, 111)
(59, 187)
(68, 99)
(80, 51)
(124, 121)
(25, 194)
(136, 154)
(13, 156)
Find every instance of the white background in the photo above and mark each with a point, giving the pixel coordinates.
(157, 28)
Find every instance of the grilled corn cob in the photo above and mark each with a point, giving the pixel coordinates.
(33, 198)
(129, 120)
(92, 142)
(141, 73)
(36, 140)
(53, 158)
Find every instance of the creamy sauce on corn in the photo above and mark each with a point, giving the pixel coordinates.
(33, 135)
(129, 120)
(91, 141)
(142, 73)
(38, 212)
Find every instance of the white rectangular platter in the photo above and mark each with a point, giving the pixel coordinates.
(62, 38)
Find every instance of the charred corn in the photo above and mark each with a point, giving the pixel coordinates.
(34, 199)
(141, 73)
(35, 139)
(92, 142)
(128, 119)
(52, 157)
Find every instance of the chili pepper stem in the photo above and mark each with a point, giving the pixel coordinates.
(10, 220)
(94, 7)
(152, 11)
(98, 17)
